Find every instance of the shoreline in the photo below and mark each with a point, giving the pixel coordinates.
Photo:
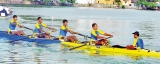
(78, 5)
(74, 5)
(106, 6)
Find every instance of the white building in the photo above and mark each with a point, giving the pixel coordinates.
(84, 1)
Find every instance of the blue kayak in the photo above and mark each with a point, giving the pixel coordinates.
(11, 37)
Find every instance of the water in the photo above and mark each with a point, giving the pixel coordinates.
(119, 22)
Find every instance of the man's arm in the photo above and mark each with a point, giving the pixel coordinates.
(18, 24)
(72, 32)
(105, 34)
(135, 42)
(44, 25)
(51, 28)
(68, 30)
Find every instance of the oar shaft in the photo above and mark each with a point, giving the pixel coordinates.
(28, 28)
(77, 47)
(84, 35)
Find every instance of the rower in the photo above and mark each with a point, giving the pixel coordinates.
(1, 8)
(138, 42)
(39, 32)
(7, 9)
(95, 38)
(63, 32)
(12, 26)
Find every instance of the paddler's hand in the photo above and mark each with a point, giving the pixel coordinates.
(72, 32)
(47, 33)
(75, 32)
(111, 36)
(21, 26)
(103, 37)
(54, 30)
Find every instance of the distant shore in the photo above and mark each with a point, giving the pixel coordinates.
(106, 6)
(75, 5)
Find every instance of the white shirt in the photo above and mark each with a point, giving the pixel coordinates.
(7, 9)
(1, 8)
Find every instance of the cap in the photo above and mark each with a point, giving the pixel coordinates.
(136, 32)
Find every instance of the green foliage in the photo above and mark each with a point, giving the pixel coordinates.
(64, 1)
(123, 6)
(89, 4)
(155, 0)
(118, 2)
(46, 1)
(146, 3)
(72, 1)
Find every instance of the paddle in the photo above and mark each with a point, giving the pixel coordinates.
(118, 46)
(32, 30)
(28, 28)
(83, 35)
(83, 44)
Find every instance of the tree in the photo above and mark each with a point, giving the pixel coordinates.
(147, 3)
(71, 1)
(62, 1)
(89, 2)
(118, 2)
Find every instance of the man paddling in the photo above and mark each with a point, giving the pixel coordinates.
(63, 33)
(138, 42)
(39, 32)
(12, 26)
(96, 38)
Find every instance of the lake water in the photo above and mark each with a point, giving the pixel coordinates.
(119, 22)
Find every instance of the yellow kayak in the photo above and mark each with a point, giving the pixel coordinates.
(104, 50)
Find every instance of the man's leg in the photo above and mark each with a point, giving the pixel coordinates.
(102, 42)
(47, 36)
(70, 39)
(21, 32)
(74, 38)
(105, 42)
(41, 36)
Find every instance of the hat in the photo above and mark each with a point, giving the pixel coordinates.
(136, 32)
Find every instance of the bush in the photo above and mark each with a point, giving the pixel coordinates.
(89, 4)
(123, 6)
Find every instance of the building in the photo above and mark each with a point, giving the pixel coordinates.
(126, 2)
(104, 1)
(84, 1)
(110, 2)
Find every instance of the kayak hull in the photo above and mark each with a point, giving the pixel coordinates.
(10, 37)
(104, 50)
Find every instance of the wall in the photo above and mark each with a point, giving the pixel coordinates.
(104, 1)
